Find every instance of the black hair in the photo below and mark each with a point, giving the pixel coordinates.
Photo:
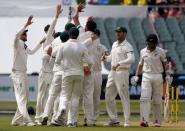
(64, 36)
(46, 28)
(97, 32)
(91, 25)
(73, 33)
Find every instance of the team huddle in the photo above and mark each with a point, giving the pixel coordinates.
(71, 77)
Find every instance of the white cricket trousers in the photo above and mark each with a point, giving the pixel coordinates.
(118, 83)
(151, 89)
(88, 89)
(71, 87)
(97, 82)
(20, 82)
(44, 83)
(54, 92)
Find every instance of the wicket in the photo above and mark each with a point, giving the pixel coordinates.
(174, 110)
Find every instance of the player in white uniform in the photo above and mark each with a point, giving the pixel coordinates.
(151, 63)
(96, 50)
(73, 56)
(55, 89)
(19, 76)
(46, 75)
(85, 33)
(121, 57)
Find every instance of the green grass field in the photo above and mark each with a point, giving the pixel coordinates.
(6, 119)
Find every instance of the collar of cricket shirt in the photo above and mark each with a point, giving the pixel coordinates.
(122, 43)
(148, 51)
(72, 40)
(96, 41)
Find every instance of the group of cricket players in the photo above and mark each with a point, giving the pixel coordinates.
(70, 76)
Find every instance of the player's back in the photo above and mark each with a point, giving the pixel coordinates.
(73, 54)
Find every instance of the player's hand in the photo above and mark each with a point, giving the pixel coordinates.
(134, 80)
(80, 8)
(29, 21)
(87, 70)
(114, 67)
(169, 79)
(59, 10)
(103, 57)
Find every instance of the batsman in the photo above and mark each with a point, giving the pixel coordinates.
(152, 59)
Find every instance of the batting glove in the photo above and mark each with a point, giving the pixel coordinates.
(169, 79)
(134, 80)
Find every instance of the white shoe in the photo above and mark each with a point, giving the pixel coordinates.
(38, 122)
(112, 123)
(18, 124)
(157, 125)
(30, 124)
(126, 125)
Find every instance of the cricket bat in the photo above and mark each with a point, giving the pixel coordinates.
(167, 104)
(167, 99)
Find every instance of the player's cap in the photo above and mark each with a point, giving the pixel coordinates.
(74, 31)
(64, 36)
(152, 38)
(68, 26)
(121, 29)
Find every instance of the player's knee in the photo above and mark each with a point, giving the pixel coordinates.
(157, 100)
(107, 96)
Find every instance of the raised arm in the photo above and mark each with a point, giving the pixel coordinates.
(37, 47)
(19, 33)
(76, 17)
(52, 26)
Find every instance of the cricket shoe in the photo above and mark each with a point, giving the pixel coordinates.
(144, 124)
(72, 125)
(44, 120)
(61, 118)
(18, 124)
(126, 125)
(156, 124)
(30, 124)
(112, 123)
(38, 122)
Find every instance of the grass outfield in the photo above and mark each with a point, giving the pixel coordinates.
(6, 119)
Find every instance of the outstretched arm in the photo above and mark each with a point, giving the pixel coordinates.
(28, 22)
(76, 17)
(37, 47)
(52, 26)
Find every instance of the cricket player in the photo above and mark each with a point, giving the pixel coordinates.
(96, 50)
(19, 76)
(46, 75)
(55, 89)
(54, 92)
(121, 57)
(85, 33)
(73, 56)
(152, 59)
